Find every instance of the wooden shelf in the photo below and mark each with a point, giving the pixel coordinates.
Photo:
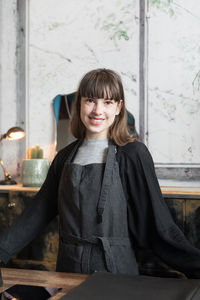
(173, 190)
(18, 188)
(180, 190)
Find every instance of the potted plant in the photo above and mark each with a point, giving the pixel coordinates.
(34, 168)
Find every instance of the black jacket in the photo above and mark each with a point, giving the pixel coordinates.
(151, 225)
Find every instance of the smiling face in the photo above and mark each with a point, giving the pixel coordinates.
(99, 110)
(98, 115)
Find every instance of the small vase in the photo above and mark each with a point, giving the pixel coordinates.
(34, 172)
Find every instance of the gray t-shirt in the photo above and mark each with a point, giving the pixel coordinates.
(91, 151)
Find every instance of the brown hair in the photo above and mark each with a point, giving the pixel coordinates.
(107, 84)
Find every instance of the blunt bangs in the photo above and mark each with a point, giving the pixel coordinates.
(101, 85)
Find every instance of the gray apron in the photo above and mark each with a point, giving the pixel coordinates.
(93, 219)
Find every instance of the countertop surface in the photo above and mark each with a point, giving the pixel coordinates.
(66, 281)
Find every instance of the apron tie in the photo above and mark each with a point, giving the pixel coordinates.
(108, 255)
(106, 243)
(107, 180)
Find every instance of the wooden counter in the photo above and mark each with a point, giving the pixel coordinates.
(66, 281)
(173, 190)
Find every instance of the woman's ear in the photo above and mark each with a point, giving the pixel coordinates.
(119, 107)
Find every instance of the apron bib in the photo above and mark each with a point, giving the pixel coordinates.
(93, 219)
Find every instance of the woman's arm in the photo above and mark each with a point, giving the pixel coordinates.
(36, 216)
(149, 218)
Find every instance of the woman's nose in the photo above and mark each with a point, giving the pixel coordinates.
(98, 108)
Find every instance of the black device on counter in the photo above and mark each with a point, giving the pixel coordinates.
(25, 292)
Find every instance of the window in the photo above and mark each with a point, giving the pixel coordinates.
(153, 44)
(172, 107)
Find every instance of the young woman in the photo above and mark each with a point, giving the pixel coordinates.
(104, 188)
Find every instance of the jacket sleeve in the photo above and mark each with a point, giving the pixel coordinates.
(35, 217)
(150, 221)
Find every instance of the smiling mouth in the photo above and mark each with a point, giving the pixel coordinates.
(96, 121)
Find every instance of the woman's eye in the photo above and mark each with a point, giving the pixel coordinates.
(90, 100)
(108, 102)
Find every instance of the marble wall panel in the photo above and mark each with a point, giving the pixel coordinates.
(173, 82)
(69, 38)
(9, 150)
